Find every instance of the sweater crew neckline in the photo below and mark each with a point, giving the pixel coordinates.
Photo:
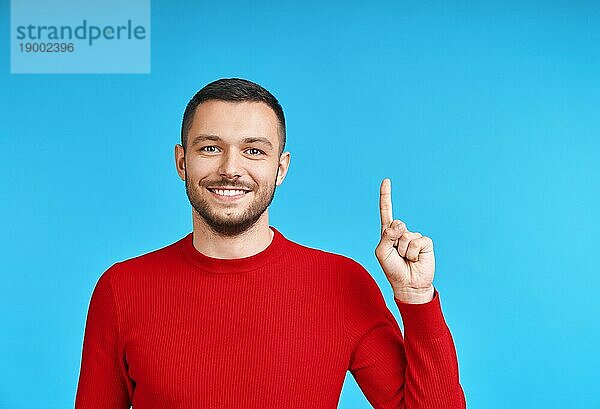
(233, 265)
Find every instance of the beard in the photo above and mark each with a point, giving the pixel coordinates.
(238, 221)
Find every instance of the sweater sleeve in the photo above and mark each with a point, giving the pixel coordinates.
(102, 378)
(417, 371)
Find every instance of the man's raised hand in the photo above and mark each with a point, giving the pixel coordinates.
(406, 258)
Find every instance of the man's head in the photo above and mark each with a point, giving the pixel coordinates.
(232, 135)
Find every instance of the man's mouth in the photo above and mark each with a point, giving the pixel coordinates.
(228, 194)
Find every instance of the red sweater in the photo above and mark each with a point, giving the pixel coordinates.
(176, 329)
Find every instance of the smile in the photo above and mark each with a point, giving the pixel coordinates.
(228, 194)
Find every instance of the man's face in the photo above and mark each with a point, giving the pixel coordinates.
(232, 147)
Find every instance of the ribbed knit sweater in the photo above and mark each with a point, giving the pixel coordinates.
(176, 329)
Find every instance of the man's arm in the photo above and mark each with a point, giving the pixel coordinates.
(102, 379)
(420, 371)
(432, 375)
(417, 371)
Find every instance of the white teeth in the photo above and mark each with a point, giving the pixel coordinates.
(229, 192)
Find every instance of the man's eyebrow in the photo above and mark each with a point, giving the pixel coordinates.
(262, 140)
(204, 137)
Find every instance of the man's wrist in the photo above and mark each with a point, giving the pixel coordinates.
(409, 295)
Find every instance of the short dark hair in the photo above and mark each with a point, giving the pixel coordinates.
(233, 90)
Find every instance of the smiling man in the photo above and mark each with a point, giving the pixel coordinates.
(236, 315)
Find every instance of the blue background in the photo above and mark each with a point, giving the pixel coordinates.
(485, 117)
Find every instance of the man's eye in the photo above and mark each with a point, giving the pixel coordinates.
(213, 149)
(257, 150)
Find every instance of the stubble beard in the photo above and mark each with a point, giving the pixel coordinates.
(233, 224)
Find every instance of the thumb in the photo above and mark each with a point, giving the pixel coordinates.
(392, 233)
(389, 239)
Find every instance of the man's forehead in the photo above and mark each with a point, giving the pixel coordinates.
(232, 107)
(234, 120)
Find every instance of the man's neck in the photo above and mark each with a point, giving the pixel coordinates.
(246, 244)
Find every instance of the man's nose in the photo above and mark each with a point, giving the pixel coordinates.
(230, 166)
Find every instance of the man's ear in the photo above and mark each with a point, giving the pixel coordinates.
(180, 161)
(282, 168)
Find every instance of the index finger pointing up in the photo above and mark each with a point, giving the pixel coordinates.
(385, 203)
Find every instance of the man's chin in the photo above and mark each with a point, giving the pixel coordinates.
(231, 221)
(229, 228)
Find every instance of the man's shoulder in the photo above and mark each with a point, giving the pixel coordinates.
(150, 259)
(355, 279)
(325, 256)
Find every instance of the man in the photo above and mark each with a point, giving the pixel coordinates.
(235, 315)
